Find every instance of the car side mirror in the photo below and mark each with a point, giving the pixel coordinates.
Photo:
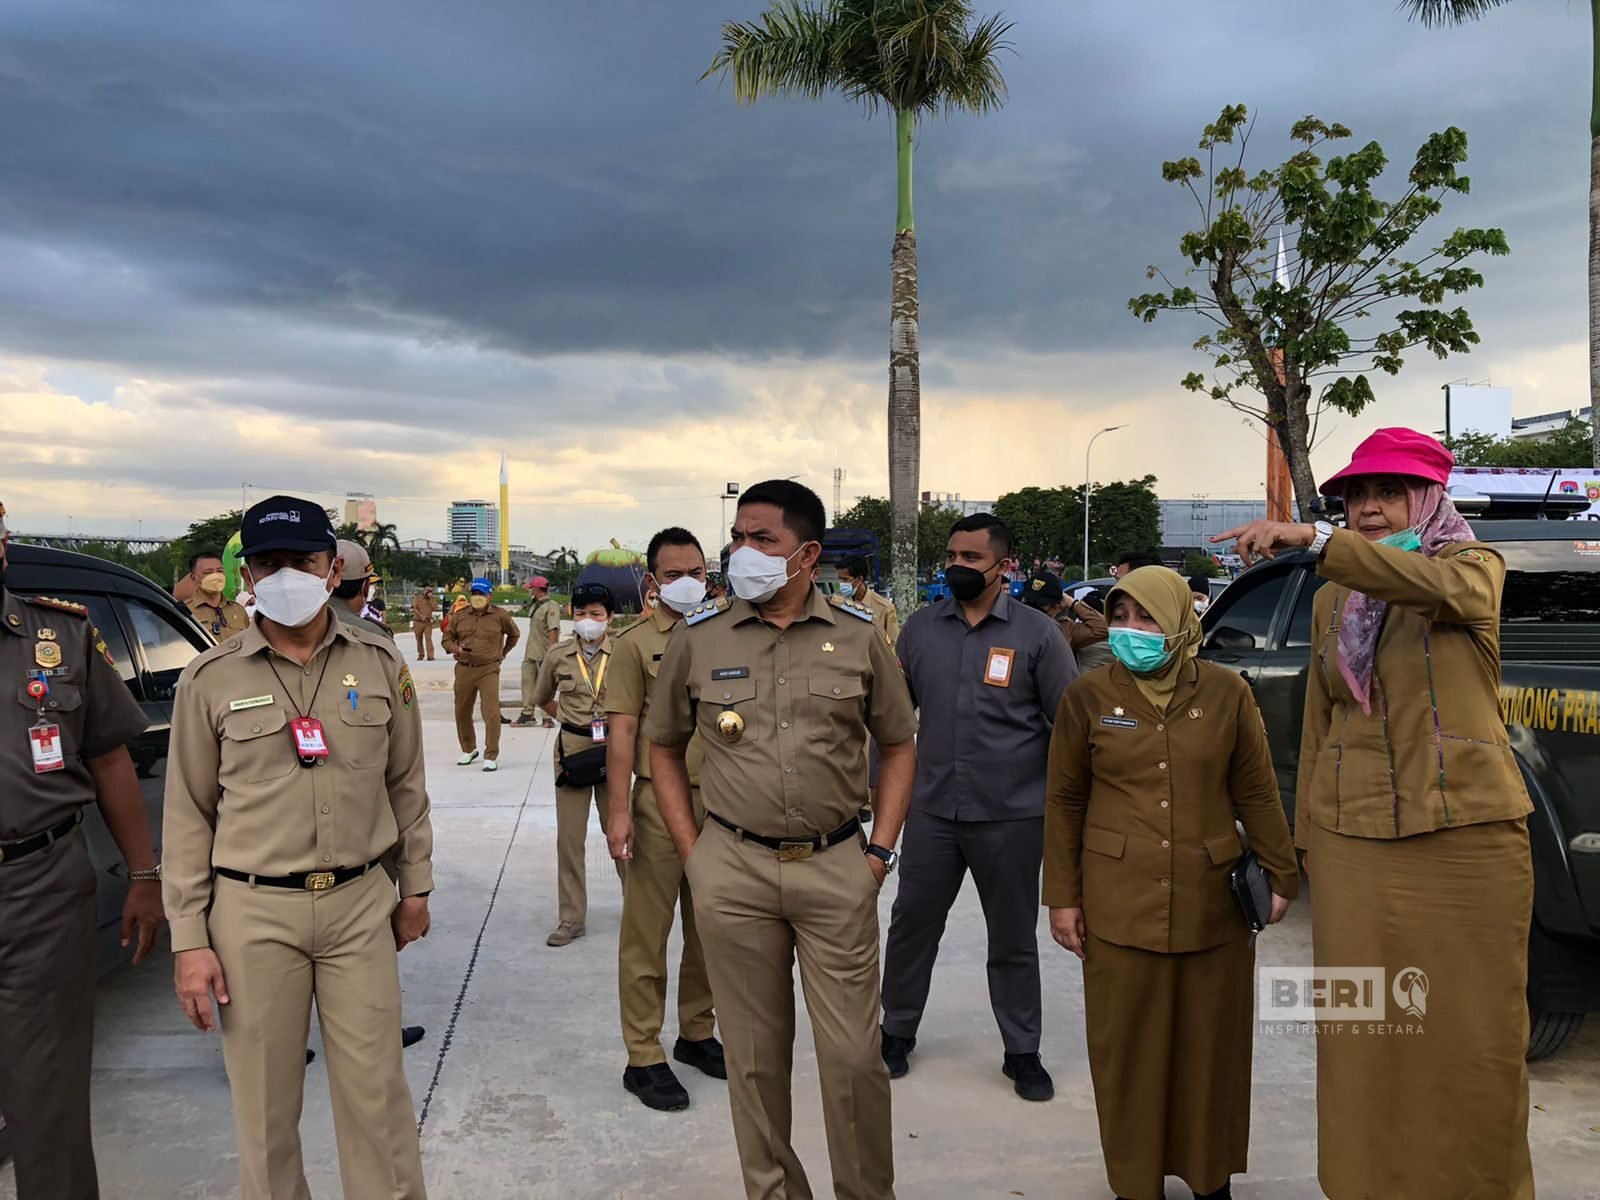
(1226, 637)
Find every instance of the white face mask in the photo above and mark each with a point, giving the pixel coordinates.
(291, 597)
(758, 577)
(683, 593)
(589, 629)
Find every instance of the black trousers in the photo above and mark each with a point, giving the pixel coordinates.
(1004, 858)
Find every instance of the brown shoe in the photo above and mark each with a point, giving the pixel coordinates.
(565, 934)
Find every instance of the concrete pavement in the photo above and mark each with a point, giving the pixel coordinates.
(518, 1080)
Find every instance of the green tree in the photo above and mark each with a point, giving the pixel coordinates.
(1047, 523)
(564, 575)
(933, 532)
(914, 58)
(382, 541)
(1123, 516)
(1199, 563)
(1303, 335)
(933, 538)
(1569, 448)
(154, 565)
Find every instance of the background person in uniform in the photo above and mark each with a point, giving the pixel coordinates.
(353, 598)
(986, 675)
(208, 604)
(296, 766)
(1200, 593)
(544, 631)
(1075, 614)
(1132, 561)
(479, 638)
(571, 688)
(783, 687)
(423, 609)
(63, 747)
(1413, 815)
(653, 883)
(852, 575)
(1151, 763)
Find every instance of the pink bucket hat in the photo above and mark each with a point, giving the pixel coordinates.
(1396, 452)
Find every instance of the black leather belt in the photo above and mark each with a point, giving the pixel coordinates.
(22, 847)
(578, 730)
(793, 849)
(310, 881)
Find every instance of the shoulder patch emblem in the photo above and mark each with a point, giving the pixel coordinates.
(856, 610)
(77, 610)
(408, 689)
(1475, 555)
(101, 648)
(703, 612)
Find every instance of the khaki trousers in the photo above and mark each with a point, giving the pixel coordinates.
(755, 914)
(480, 685)
(279, 950)
(424, 632)
(530, 676)
(652, 885)
(47, 974)
(572, 835)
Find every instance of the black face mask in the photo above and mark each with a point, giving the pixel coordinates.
(966, 584)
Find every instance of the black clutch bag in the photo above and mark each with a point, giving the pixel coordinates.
(1252, 890)
(583, 769)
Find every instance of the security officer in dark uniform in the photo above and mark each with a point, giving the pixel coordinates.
(64, 734)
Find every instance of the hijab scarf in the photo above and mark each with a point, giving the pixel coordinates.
(1164, 594)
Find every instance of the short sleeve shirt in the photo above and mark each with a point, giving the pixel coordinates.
(635, 661)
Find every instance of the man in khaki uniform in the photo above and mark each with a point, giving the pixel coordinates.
(480, 636)
(544, 631)
(571, 688)
(1080, 622)
(653, 882)
(853, 585)
(784, 687)
(209, 606)
(423, 610)
(296, 766)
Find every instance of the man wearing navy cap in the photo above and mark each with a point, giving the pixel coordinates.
(479, 638)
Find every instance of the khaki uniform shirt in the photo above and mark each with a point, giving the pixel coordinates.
(542, 622)
(488, 635)
(222, 618)
(1434, 750)
(364, 622)
(1086, 632)
(88, 702)
(884, 615)
(803, 699)
(579, 691)
(238, 797)
(636, 655)
(1140, 809)
(423, 609)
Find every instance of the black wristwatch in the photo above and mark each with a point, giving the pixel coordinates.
(887, 857)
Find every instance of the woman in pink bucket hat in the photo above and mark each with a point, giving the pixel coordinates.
(1413, 816)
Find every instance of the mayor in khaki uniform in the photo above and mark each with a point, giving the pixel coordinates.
(1151, 764)
(1413, 814)
(479, 638)
(571, 688)
(424, 611)
(653, 883)
(544, 631)
(208, 604)
(296, 766)
(784, 687)
(64, 732)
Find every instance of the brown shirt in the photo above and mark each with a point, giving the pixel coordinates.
(542, 622)
(1434, 751)
(222, 618)
(91, 706)
(806, 696)
(578, 690)
(636, 655)
(238, 797)
(488, 635)
(423, 608)
(884, 616)
(1140, 809)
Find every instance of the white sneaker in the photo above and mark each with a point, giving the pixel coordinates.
(467, 759)
(490, 765)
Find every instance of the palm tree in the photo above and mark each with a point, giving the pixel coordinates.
(382, 539)
(1459, 12)
(568, 564)
(915, 58)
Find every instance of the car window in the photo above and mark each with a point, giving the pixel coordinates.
(167, 651)
(1299, 635)
(1550, 608)
(1247, 611)
(105, 620)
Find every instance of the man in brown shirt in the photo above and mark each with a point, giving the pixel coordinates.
(479, 638)
(1083, 625)
(653, 883)
(62, 747)
(209, 606)
(853, 585)
(423, 610)
(544, 631)
(784, 688)
(296, 766)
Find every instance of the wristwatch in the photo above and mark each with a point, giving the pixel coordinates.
(153, 875)
(887, 857)
(1320, 542)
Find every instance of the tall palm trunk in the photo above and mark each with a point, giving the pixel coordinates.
(905, 380)
(1594, 233)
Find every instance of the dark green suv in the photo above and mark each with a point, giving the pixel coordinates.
(1549, 695)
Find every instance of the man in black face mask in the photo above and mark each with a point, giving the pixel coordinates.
(987, 674)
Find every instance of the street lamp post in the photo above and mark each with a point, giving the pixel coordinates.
(1087, 449)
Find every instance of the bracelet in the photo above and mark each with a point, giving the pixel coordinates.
(153, 875)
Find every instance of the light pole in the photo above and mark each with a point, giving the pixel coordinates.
(1087, 449)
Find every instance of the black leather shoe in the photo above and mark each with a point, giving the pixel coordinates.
(410, 1035)
(657, 1087)
(1225, 1192)
(704, 1056)
(896, 1052)
(1032, 1080)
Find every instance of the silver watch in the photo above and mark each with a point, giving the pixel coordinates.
(884, 855)
(153, 875)
(1320, 542)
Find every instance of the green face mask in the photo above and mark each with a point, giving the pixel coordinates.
(1406, 540)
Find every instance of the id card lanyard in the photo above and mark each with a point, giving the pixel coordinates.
(44, 739)
(597, 727)
(310, 742)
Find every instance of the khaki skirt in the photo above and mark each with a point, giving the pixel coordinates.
(1431, 1102)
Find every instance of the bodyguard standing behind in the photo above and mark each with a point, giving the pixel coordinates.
(479, 638)
(986, 674)
(783, 687)
(296, 766)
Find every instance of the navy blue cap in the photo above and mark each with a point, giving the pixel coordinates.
(285, 523)
(1042, 590)
(593, 593)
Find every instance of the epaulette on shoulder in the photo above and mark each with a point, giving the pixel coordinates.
(854, 608)
(705, 611)
(67, 606)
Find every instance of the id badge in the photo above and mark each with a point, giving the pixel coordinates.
(997, 670)
(45, 742)
(597, 729)
(308, 740)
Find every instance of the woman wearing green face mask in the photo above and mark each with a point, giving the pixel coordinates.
(1151, 763)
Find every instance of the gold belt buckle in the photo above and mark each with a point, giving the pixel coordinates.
(795, 851)
(319, 881)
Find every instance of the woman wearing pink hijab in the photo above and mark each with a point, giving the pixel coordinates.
(1412, 813)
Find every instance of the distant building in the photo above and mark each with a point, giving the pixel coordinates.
(1546, 425)
(360, 510)
(953, 500)
(1189, 525)
(475, 521)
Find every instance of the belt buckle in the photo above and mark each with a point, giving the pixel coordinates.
(319, 881)
(795, 851)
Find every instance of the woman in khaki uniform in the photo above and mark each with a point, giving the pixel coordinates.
(1151, 763)
(1413, 814)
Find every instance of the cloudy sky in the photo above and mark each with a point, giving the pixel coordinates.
(369, 246)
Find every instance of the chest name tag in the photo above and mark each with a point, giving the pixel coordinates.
(597, 729)
(45, 742)
(997, 670)
(252, 702)
(722, 673)
(309, 742)
(1120, 722)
